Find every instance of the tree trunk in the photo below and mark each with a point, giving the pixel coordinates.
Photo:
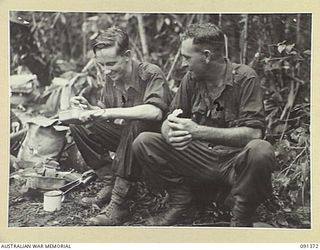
(287, 28)
(244, 38)
(220, 20)
(298, 41)
(226, 46)
(84, 39)
(143, 38)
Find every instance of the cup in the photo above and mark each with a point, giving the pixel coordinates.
(52, 200)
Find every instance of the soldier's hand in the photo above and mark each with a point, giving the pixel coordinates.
(79, 102)
(92, 115)
(15, 126)
(179, 135)
(99, 113)
(85, 116)
(182, 124)
(179, 139)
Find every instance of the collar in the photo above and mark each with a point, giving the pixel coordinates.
(229, 73)
(134, 79)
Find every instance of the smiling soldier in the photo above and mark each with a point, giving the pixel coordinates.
(217, 138)
(138, 94)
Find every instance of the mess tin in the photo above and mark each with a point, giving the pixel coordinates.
(44, 183)
(52, 200)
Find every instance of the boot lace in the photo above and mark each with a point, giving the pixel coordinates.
(110, 208)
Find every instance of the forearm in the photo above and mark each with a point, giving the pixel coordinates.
(93, 107)
(140, 112)
(235, 137)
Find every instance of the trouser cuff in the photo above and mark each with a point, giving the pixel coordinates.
(121, 190)
(243, 212)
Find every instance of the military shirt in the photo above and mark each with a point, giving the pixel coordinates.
(238, 103)
(147, 85)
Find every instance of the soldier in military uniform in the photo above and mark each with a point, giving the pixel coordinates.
(213, 133)
(135, 98)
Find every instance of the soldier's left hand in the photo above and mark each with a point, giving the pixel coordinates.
(182, 124)
(91, 115)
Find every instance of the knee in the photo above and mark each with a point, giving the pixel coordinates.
(74, 128)
(260, 150)
(144, 140)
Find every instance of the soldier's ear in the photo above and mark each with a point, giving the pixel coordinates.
(127, 55)
(208, 55)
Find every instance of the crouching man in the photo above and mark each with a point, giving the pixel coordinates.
(213, 133)
(134, 99)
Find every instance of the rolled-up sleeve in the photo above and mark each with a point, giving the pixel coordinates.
(251, 113)
(157, 92)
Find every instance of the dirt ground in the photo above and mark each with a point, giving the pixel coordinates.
(27, 210)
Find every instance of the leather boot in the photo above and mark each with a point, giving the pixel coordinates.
(179, 202)
(103, 196)
(169, 217)
(242, 214)
(116, 213)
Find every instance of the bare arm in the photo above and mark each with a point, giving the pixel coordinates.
(235, 137)
(141, 112)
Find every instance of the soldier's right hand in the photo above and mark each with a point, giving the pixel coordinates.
(178, 136)
(15, 126)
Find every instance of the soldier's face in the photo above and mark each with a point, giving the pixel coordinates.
(112, 64)
(193, 58)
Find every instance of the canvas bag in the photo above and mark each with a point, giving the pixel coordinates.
(24, 89)
(44, 140)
